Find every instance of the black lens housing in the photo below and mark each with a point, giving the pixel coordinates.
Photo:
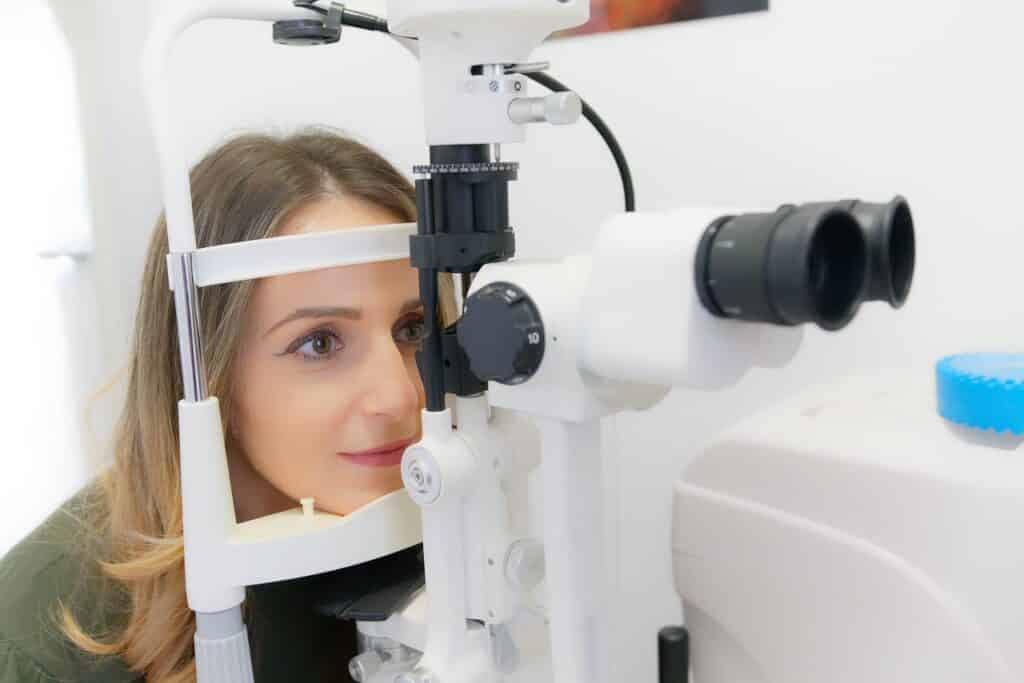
(799, 264)
(889, 231)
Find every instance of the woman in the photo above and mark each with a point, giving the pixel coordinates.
(319, 393)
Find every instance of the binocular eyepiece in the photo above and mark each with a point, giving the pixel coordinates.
(808, 263)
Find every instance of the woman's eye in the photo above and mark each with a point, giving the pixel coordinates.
(319, 345)
(412, 331)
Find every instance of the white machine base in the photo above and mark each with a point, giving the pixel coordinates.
(852, 535)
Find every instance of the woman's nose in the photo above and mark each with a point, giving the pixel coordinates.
(391, 389)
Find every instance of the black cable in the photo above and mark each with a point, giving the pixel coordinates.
(364, 20)
(603, 130)
(353, 18)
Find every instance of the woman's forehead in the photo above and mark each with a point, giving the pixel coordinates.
(384, 287)
(335, 212)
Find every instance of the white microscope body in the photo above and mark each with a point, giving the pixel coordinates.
(592, 319)
(851, 534)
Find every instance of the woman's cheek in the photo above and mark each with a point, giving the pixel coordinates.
(284, 427)
(414, 377)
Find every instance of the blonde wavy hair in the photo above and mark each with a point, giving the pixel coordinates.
(241, 191)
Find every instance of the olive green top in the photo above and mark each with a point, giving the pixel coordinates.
(57, 563)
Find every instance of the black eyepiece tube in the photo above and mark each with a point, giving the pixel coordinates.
(799, 264)
(889, 231)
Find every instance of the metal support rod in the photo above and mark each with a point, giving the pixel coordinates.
(430, 360)
(190, 338)
(575, 563)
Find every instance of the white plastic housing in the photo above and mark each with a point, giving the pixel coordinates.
(559, 390)
(577, 578)
(851, 535)
(623, 324)
(254, 259)
(453, 650)
(455, 35)
(488, 27)
(641, 320)
(474, 481)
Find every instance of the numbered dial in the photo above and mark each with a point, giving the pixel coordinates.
(502, 334)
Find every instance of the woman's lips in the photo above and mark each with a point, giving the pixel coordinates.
(386, 456)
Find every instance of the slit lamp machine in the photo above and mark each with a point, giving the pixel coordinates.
(452, 588)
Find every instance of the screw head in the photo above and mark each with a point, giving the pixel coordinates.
(421, 478)
(524, 564)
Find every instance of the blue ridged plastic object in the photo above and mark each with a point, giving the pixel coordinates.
(982, 390)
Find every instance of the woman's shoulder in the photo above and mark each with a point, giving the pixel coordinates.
(56, 564)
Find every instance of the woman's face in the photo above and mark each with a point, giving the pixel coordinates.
(326, 391)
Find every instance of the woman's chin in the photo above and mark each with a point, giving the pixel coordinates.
(347, 504)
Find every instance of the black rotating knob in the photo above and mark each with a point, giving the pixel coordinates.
(502, 334)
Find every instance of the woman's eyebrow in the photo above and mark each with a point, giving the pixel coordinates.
(410, 305)
(319, 312)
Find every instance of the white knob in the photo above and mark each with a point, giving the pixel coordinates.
(524, 564)
(562, 108)
(558, 108)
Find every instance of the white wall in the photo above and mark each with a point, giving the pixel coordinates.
(813, 100)
(48, 347)
(105, 38)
